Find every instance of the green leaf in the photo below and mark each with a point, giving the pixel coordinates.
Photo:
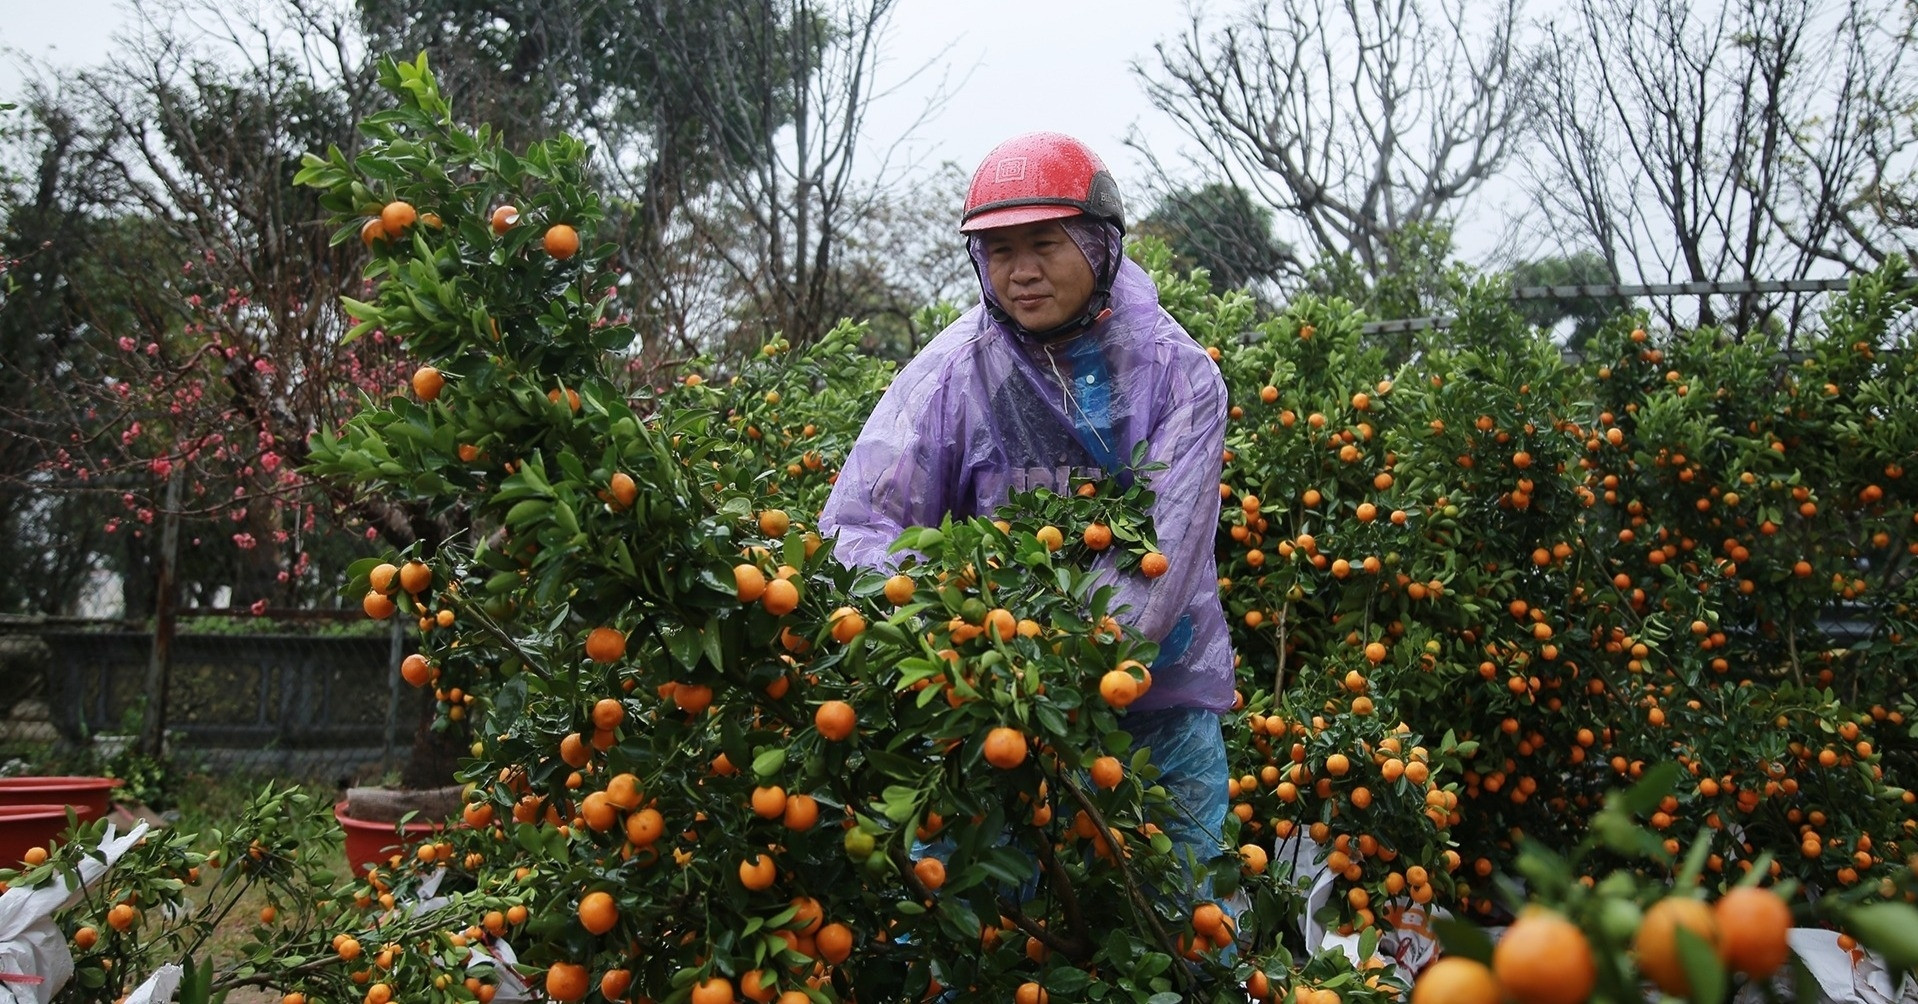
(1641, 798)
(507, 702)
(709, 643)
(360, 311)
(901, 802)
(683, 644)
(527, 511)
(1890, 929)
(732, 741)
(893, 764)
(888, 633)
(1463, 939)
(1703, 970)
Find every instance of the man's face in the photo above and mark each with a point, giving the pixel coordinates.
(1039, 275)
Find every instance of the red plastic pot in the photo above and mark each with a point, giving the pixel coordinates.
(89, 793)
(26, 826)
(371, 843)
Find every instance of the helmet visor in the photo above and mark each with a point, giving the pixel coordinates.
(1012, 216)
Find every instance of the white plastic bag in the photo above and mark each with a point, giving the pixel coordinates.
(1843, 981)
(501, 957)
(35, 962)
(158, 988)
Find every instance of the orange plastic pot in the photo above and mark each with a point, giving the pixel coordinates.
(369, 843)
(88, 793)
(27, 826)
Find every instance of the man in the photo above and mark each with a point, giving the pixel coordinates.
(1064, 366)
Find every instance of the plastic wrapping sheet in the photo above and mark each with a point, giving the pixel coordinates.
(35, 962)
(1845, 979)
(158, 988)
(1409, 943)
(495, 953)
(500, 957)
(983, 411)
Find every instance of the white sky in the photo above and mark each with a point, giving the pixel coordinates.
(1024, 64)
(1008, 66)
(1015, 66)
(70, 33)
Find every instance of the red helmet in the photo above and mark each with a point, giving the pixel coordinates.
(1040, 176)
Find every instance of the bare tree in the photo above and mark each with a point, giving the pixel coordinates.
(1745, 141)
(903, 254)
(793, 86)
(1355, 120)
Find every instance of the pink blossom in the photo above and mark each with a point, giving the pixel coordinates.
(161, 467)
(262, 366)
(145, 515)
(196, 542)
(280, 536)
(126, 344)
(126, 499)
(259, 606)
(283, 575)
(153, 348)
(113, 525)
(244, 541)
(194, 300)
(372, 534)
(270, 461)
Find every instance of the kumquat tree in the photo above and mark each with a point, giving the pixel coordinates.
(1610, 655)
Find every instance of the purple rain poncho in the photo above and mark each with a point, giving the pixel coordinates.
(982, 411)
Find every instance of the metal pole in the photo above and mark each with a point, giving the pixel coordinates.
(398, 653)
(159, 663)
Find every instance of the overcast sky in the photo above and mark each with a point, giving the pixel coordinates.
(1025, 64)
(1021, 65)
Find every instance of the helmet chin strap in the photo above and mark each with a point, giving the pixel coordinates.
(1097, 309)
